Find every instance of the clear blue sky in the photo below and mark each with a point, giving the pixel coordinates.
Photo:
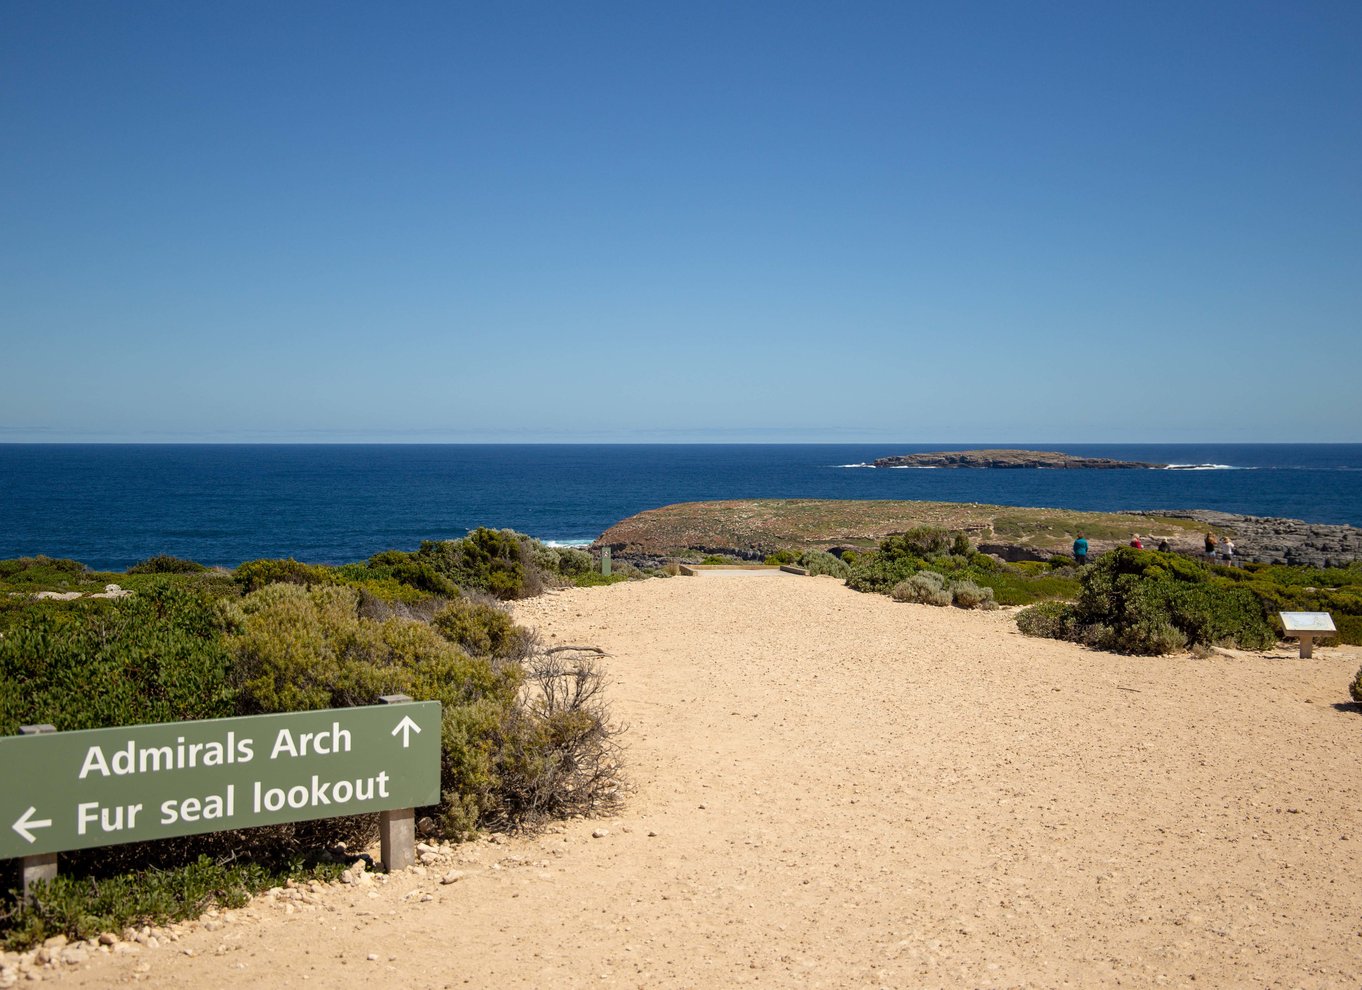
(638, 221)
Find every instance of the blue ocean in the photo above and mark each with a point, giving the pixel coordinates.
(111, 505)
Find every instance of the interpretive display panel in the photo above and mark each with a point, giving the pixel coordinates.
(1311, 622)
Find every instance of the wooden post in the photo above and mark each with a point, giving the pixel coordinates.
(397, 828)
(42, 867)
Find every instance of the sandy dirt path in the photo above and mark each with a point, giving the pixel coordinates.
(829, 789)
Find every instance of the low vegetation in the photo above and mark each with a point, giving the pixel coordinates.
(526, 734)
(934, 566)
(1148, 603)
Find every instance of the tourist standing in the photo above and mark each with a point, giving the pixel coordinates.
(1081, 550)
(1227, 550)
(1210, 546)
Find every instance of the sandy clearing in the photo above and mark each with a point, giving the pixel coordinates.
(850, 792)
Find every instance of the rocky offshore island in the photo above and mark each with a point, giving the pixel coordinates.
(1004, 459)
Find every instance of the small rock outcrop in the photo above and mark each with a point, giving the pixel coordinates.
(1281, 541)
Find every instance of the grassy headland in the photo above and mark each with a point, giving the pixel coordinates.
(760, 527)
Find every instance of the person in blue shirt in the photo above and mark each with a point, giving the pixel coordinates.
(1081, 550)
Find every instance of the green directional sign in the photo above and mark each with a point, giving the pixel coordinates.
(73, 790)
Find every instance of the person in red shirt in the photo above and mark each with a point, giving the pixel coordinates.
(1135, 541)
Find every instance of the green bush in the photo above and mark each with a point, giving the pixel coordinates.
(951, 555)
(1147, 603)
(878, 573)
(1049, 620)
(573, 562)
(44, 573)
(489, 560)
(166, 564)
(920, 541)
(399, 567)
(256, 574)
(967, 594)
(820, 562)
(482, 630)
(924, 587)
(84, 907)
(781, 557)
(1011, 588)
(1355, 688)
(301, 649)
(156, 656)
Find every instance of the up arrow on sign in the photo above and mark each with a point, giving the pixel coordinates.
(26, 821)
(405, 727)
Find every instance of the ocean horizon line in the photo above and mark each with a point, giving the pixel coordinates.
(941, 444)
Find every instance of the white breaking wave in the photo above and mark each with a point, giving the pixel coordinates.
(576, 543)
(855, 465)
(1204, 467)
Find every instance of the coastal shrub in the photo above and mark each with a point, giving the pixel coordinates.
(301, 649)
(166, 564)
(256, 574)
(956, 560)
(1015, 588)
(559, 751)
(1355, 688)
(1210, 614)
(43, 573)
(524, 733)
(500, 562)
(157, 656)
(400, 567)
(574, 562)
(781, 557)
(382, 598)
(1146, 603)
(481, 629)
(920, 541)
(877, 573)
(967, 594)
(925, 587)
(83, 907)
(821, 562)
(1048, 620)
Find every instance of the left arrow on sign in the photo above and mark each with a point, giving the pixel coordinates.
(26, 822)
